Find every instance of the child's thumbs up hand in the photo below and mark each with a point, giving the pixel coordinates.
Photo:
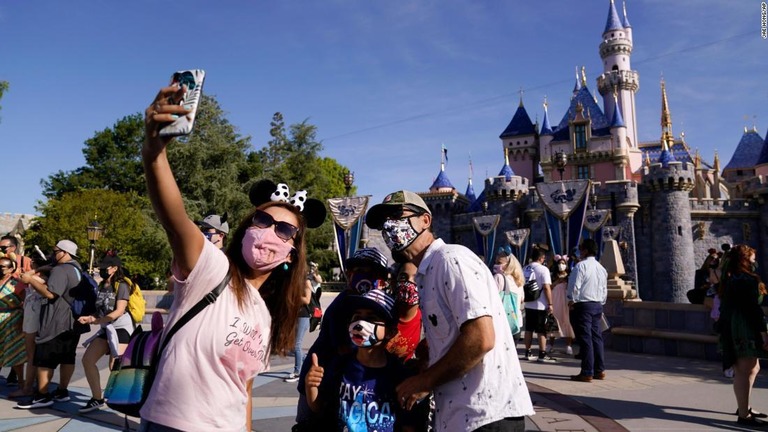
(315, 373)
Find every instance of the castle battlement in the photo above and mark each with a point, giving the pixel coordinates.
(677, 176)
(717, 206)
(501, 187)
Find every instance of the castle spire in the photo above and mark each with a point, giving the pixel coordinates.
(546, 129)
(577, 86)
(717, 162)
(521, 98)
(667, 139)
(583, 76)
(625, 20)
(613, 22)
(618, 120)
(470, 193)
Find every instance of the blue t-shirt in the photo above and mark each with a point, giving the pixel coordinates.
(367, 398)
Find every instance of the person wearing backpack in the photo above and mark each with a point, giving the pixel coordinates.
(536, 311)
(57, 337)
(116, 325)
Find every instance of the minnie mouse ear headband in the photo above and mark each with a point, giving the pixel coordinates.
(504, 251)
(266, 190)
(561, 258)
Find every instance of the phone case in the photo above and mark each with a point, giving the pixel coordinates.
(193, 79)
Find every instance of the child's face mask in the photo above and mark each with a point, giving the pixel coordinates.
(364, 333)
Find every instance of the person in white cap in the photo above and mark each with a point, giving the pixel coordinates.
(215, 228)
(56, 339)
(476, 380)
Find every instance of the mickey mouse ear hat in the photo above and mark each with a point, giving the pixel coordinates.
(266, 190)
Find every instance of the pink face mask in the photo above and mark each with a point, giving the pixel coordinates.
(263, 250)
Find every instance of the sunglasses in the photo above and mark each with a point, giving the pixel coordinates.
(4, 248)
(209, 235)
(284, 230)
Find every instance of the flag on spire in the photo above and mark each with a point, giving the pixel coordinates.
(445, 152)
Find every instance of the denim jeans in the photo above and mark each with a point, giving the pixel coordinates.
(301, 330)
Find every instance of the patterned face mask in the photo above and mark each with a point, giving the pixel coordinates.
(398, 233)
(363, 333)
(407, 292)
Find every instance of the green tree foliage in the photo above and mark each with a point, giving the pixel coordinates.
(3, 89)
(130, 228)
(214, 168)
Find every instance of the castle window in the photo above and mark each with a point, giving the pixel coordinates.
(582, 172)
(615, 67)
(739, 172)
(580, 137)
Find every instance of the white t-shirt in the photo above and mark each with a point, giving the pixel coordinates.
(454, 287)
(202, 375)
(542, 278)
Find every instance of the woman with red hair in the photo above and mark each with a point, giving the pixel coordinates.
(743, 336)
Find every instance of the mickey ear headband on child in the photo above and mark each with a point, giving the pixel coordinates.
(312, 209)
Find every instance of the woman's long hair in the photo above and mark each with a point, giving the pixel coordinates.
(283, 288)
(514, 269)
(738, 261)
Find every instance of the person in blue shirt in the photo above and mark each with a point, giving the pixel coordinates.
(360, 386)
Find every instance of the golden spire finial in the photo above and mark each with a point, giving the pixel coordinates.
(697, 159)
(666, 119)
(506, 156)
(583, 76)
(521, 97)
(717, 162)
(546, 104)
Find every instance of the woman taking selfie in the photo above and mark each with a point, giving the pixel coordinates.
(206, 371)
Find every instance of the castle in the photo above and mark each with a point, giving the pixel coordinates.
(667, 207)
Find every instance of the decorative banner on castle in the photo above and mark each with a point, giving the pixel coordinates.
(485, 230)
(519, 239)
(610, 232)
(347, 217)
(563, 197)
(595, 219)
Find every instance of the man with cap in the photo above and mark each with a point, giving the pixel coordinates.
(215, 228)
(476, 379)
(366, 270)
(56, 339)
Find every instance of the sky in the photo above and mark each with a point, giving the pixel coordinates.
(386, 83)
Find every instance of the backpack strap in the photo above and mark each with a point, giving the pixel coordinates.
(206, 301)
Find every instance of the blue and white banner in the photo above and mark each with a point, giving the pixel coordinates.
(519, 239)
(347, 214)
(485, 229)
(595, 219)
(562, 198)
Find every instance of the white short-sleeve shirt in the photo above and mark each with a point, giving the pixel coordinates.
(201, 380)
(543, 277)
(454, 287)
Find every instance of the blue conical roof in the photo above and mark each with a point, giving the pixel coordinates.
(592, 110)
(477, 205)
(521, 124)
(506, 172)
(545, 128)
(618, 120)
(747, 152)
(625, 20)
(666, 157)
(470, 193)
(614, 22)
(764, 153)
(441, 182)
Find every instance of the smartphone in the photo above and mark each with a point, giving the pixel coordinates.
(193, 80)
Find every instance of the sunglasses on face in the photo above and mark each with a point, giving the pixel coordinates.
(4, 248)
(284, 230)
(209, 235)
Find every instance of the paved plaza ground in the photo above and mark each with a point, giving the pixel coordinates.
(641, 393)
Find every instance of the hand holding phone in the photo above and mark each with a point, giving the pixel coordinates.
(192, 80)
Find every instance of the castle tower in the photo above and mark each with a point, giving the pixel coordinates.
(670, 183)
(618, 76)
(443, 200)
(619, 134)
(521, 140)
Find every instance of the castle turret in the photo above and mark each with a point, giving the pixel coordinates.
(670, 183)
(618, 76)
(521, 139)
(619, 135)
(470, 193)
(762, 162)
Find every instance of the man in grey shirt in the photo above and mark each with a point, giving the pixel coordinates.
(587, 292)
(57, 339)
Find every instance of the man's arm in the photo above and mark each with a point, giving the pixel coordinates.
(38, 284)
(476, 338)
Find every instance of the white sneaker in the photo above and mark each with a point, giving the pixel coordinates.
(569, 350)
(291, 378)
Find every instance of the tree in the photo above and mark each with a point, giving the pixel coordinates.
(130, 228)
(3, 89)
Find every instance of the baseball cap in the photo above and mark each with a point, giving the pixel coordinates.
(392, 204)
(370, 257)
(67, 246)
(219, 223)
(376, 300)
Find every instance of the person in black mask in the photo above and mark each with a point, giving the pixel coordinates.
(115, 321)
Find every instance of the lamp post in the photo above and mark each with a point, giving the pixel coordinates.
(560, 159)
(94, 230)
(349, 179)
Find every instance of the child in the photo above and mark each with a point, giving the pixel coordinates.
(360, 386)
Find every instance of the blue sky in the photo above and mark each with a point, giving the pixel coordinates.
(385, 82)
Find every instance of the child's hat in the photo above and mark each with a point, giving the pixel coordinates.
(376, 300)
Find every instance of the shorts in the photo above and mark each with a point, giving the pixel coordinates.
(534, 321)
(59, 350)
(123, 337)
